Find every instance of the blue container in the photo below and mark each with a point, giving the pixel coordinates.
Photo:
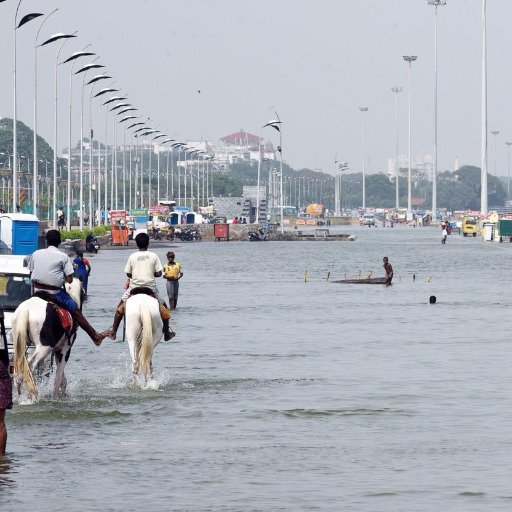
(19, 233)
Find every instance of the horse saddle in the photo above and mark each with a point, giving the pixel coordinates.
(65, 318)
(63, 315)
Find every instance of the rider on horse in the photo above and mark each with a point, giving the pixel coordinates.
(49, 270)
(142, 268)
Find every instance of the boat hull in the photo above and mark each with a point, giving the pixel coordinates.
(371, 280)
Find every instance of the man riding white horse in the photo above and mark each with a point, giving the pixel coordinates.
(141, 268)
(49, 270)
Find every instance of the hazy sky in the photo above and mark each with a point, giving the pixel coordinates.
(315, 62)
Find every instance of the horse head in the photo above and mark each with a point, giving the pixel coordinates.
(75, 290)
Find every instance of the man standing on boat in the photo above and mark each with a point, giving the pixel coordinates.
(389, 270)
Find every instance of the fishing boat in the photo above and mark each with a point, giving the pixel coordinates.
(368, 280)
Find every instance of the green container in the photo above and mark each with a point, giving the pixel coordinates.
(505, 227)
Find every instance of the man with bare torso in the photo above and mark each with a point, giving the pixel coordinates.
(389, 270)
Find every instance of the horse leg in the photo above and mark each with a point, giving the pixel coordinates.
(133, 346)
(64, 384)
(40, 353)
(60, 379)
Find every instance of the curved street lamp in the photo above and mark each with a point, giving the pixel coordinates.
(85, 70)
(119, 105)
(127, 118)
(35, 160)
(276, 124)
(115, 98)
(259, 166)
(56, 37)
(128, 109)
(87, 67)
(105, 89)
(73, 59)
(23, 21)
(158, 167)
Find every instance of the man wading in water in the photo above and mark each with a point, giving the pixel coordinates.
(389, 271)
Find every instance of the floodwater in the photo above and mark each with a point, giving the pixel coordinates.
(284, 395)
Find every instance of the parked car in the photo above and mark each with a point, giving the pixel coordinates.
(368, 220)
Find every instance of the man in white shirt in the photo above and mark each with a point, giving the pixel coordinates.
(142, 268)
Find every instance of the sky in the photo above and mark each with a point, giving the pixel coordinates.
(314, 63)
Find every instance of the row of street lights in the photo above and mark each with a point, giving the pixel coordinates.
(119, 108)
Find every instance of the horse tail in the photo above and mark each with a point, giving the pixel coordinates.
(20, 325)
(146, 348)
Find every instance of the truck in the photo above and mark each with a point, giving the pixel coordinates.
(315, 210)
(470, 225)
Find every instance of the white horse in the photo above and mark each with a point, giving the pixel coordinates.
(36, 320)
(143, 331)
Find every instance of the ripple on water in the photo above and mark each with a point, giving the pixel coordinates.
(312, 413)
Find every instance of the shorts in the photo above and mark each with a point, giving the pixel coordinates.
(172, 289)
(5, 388)
(65, 301)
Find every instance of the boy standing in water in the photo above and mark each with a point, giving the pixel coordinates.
(172, 274)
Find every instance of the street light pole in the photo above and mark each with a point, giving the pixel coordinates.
(363, 111)
(409, 59)
(276, 124)
(337, 202)
(341, 168)
(495, 133)
(508, 175)
(25, 19)
(483, 151)
(90, 66)
(34, 193)
(259, 166)
(74, 58)
(436, 4)
(397, 90)
(66, 38)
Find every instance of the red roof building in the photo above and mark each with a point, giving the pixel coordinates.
(241, 138)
